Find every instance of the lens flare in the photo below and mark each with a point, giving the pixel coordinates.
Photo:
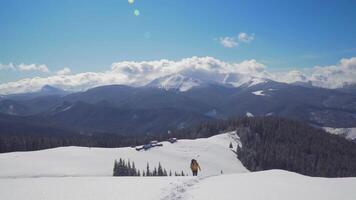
(136, 12)
(131, 1)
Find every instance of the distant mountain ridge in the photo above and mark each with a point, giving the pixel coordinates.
(152, 109)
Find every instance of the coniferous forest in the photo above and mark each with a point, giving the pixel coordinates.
(276, 143)
(127, 168)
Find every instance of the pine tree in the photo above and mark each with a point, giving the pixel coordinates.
(230, 146)
(115, 168)
(129, 169)
(170, 173)
(182, 174)
(154, 172)
(134, 171)
(159, 171)
(123, 169)
(148, 173)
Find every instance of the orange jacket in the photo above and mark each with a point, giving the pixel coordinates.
(195, 166)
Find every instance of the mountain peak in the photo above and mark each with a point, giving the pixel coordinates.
(175, 82)
(50, 89)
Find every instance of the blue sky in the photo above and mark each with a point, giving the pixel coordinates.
(89, 35)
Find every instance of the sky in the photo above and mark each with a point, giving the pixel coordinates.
(44, 38)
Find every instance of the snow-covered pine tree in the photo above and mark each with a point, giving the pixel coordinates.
(134, 171)
(115, 168)
(148, 173)
(159, 171)
(129, 169)
(123, 168)
(154, 173)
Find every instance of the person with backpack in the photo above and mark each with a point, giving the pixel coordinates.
(194, 166)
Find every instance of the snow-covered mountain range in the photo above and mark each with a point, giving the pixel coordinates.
(176, 102)
(191, 79)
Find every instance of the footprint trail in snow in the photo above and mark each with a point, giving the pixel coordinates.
(178, 190)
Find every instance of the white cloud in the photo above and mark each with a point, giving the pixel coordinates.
(75, 82)
(331, 76)
(244, 37)
(138, 74)
(142, 72)
(205, 68)
(33, 67)
(334, 76)
(228, 42)
(231, 42)
(64, 71)
(291, 76)
(9, 66)
(24, 67)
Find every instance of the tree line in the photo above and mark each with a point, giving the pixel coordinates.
(127, 168)
(277, 143)
(268, 143)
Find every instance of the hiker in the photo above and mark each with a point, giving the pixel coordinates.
(194, 166)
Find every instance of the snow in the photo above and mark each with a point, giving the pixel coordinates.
(213, 155)
(259, 93)
(269, 114)
(212, 113)
(66, 108)
(177, 82)
(85, 173)
(255, 81)
(85, 188)
(188, 79)
(348, 133)
(267, 185)
(248, 114)
(272, 185)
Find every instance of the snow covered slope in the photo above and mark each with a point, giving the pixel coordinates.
(213, 154)
(348, 133)
(85, 173)
(175, 82)
(267, 185)
(272, 185)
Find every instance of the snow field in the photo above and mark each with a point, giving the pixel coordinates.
(213, 155)
(79, 173)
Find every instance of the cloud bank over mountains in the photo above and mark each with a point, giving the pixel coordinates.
(334, 76)
(205, 68)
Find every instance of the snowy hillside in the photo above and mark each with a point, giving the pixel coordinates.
(188, 79)
(175, 82)
(267, 185)
(348, 133)
(85, 173)
(272, 185)
(213, 154)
